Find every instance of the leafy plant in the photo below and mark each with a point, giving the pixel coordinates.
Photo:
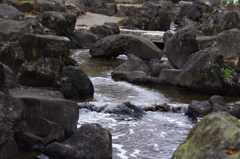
(64, 79)
(227, 73)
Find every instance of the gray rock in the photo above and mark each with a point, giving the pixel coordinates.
(82, 39)
(133, 70)
(3, 87)
(40, 6)
(114, 45)
(150, 16)
(9, 12)
(77, 85)
(43, 60)
(48, 117)
(79, 4)
(205, 71)
(212, 24)
(214, 137)
(180, 46)
(62, 23)
(105, 30)
(15, 30)
(90, 141)
(156, 68)
(228, 43)
(24, 6)
(170, 76)
(10, 78)
(11, 116)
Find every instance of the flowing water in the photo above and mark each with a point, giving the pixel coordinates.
(157, 134)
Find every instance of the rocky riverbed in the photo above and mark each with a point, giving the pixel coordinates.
(140, 100)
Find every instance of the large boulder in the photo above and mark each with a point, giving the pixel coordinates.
(115, 45)
(151, 16)
(24, 6)
(206, 72)
(37, 60)
(45, 57)
(82, 39)
(215, 104)
(180, 46)
(79, 4)
(15, 29)
(216, 136)
(11, 114)
(62, 23)
(131, 70)
(48, 117)
(90, 141)
(228, 43)
(77, 85)
(105, 30)
(101, 7)
(40, 6)
(9, 12)
(190, 11)
(212, 24)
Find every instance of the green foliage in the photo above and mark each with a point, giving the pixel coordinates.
(232, 1)
(64, 79)
(227, 73)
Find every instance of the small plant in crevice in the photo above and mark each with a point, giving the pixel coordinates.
(64, 79)
(227, 73)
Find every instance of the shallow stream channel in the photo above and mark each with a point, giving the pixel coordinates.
(154, 136)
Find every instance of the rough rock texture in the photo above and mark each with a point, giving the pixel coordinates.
(15, 30)
(114, 45)
(48, 117)
(24, 7)
(214, 137)
(151, 16)
(156, 68)
(77, 85)
(133, 68)
(99, 6)
(215, 104)
(190, 11)
(170, 76)
(105, 30)
(124, 110)
(41, 6)
(205, 71)
(228, 43)
(79, 3)
(3, 87)
(82, 39)
(219, 21)
(62, 23)
(10, 78)
(11, 113)
(90, 141)
(9, 12)
(37, 60)
(180, 46)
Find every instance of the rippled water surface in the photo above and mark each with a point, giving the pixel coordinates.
(157, 134)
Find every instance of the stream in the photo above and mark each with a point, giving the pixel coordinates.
(155, 136)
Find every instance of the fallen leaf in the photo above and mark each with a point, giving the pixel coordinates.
(229, 152)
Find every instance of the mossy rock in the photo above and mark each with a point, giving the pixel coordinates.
(216, 136)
